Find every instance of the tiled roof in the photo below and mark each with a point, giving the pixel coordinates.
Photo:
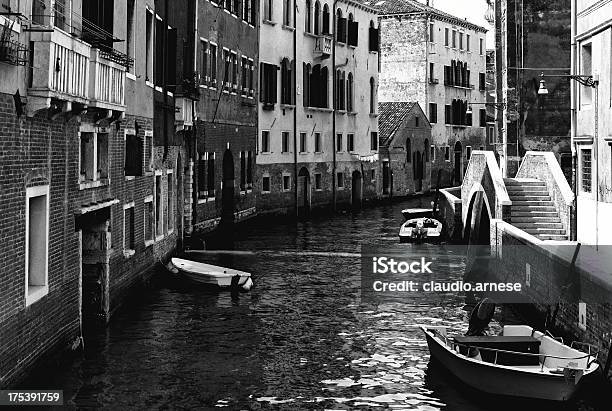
(386, 7)
(390, 116)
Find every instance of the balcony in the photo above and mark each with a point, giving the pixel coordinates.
(61, 70)
(323, 46)
(107, 88)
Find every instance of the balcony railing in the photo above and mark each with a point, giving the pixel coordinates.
(323, 46)
(107, 90)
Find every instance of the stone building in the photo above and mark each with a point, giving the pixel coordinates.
(532, 37)
(226, 113)
(405, 148)
(592, 120)
(318, 135)
(439, 61)
(92, 189)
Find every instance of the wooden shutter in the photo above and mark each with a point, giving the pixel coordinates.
(171, 57)
(353, 33)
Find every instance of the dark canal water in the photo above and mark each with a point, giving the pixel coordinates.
(299, 340)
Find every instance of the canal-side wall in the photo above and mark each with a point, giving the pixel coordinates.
(450, 212)
(581, 297)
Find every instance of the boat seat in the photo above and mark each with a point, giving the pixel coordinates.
(488, 345)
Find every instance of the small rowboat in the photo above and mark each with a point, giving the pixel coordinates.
(522, 362)
(421, 230)
(209, 274)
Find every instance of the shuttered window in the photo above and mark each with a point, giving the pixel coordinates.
(268, 81)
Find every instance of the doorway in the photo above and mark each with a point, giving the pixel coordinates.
(357, 190)
(303, 193)
(457, 172)
(227, 194)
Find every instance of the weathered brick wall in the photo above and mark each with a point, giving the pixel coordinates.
(35, 151)
(449, 212)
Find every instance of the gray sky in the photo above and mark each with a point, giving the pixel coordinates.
(473, 10)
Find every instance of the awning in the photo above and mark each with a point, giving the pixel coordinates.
(88, 208)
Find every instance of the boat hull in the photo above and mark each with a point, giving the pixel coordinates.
(210, 275)
(423, 235)
(501, 380)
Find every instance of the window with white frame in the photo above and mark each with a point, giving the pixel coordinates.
(318, 148)
(340, 180)
(265, 183)
(288, 13)
(134, 151)
(303, 145)
(586, 177)
(286, 182)
(286, 142)
(267, 10)
(350, 142)
(318, 181)
(36, 243)
(265, 141)
(432, 152)
(149, 158)
(129, 243)
(149, 221)
(170, 200)
(149, 46)
(159, 205)
(130, 33)
(93, 156)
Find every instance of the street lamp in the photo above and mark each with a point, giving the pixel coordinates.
(584, 79)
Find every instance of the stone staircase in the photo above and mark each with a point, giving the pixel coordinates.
(533, 210)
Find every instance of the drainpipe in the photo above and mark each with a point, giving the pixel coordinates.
(574, 213)
(334, 37)
(294, 80)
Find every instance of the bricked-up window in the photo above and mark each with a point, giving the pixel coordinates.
(160, 30)
(446, 37)
(303, 148)
(432, 152)
(350, 104)
(339, 142)
(213, 65)
(36, 243)
(373, 44)
(433, 113)
(340, 27)
(483, 117)
(149, 221)
(265, 184)
(353, 31)
(267, 91)
(210, 174)
(129, 243)
(326, 19)
(482, 82)
(340, 180)
(286, 182)
(426, 150)
(159, 206)
(374, 140)
(585, 170)
(267, 10)
(350, 142)
(170, 200)
(318, 184)
(133, 155)
(265, 141)
(288, 13)
(317, 143)
(285, 142)
(149, 150)
(287, 74)
(243, 171)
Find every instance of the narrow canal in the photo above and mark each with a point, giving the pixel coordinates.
(299, 340)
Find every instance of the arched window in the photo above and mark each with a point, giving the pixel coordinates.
(372, 95)
(351, 27)
(408, 150)
(426, 150)
(308, 17)
(286, 82)
(317, 17)
(349, 94)
(340, 27)
(324, 88)
(373, 37)
(268, 10)
(306, 78)
(326, 19)
(288, 13)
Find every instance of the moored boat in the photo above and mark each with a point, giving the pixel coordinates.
(421, 230)
(521, 362)
(209, 274)
(410, 213)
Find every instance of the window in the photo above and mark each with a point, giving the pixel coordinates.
(483, 117)
(128, 229)
(432, 74)
(339, 142)
(251, 77)
(286, 182)
(159, 205)
(267, 12)
(317, 18)
(417, 122)
(202, 169)
(433, 113)
(36, 243)
(228, 5)
(408, 151)
(205, 70)
(481, 42)
(340, 92)
(213, 65)
(265, 141)
(249, 176)
(431, 33)
(308, 17)
(446, 37)
(373, 174)
(170, 200)
(315, 86)
(265, 184)
(318, 184)
(234, 61)
(447, 114)
(467, 42)
(373, 44)
(303, 147)
(129, 36)
(350, 142)
(468, 152)
(286, 82)
(244, 89)
(149, 221)
(454, 39)
(93, 157)
(227, 79)
(171, 57)
(149, 150)
(149, 46)
(491, 134)
(243, 166)
(432, 152)
(482, 82)
(447, 153)
(268, 93)
(210, 174)
(158, 57)
(374, 140)
(586, 68)
(372, 95)
(585, 170)
(317, 143)
(340, 27)
(133, 154)
(288, 13)
(285, 142)
(353, 31)
(340, 180)
(350, 105)
(460, 41)
(326, 18)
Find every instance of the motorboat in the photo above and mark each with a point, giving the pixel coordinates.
(209, 274)
(421, 230)
(410, 213)
(521, 362)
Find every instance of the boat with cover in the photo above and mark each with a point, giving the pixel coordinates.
(421, 230)
(209, 274)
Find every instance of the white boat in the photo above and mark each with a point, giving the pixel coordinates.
(421, 229)
(410, 213)
(521, 362)
(209, 274)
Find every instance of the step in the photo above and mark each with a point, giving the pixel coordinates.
(526, 189)
(538, 225)
(530, 198)
(537, 208)
(536, 219)
(528, 203)
(545, 231)
(538, 214)
(524, 182)
(552, 237)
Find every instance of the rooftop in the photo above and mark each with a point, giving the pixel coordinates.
(390, 117)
